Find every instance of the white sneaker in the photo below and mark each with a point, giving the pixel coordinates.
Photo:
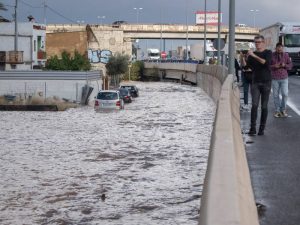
(245, 107)
(284, 113)
(277, 114)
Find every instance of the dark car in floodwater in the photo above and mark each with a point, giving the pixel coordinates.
(134, 91)
(125, 95)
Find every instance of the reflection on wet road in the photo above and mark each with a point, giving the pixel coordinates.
(141, 165)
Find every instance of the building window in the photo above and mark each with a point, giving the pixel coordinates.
(39, 42)
(34, 45)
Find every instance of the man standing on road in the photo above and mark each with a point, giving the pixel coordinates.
(259, 61)
(280, 65)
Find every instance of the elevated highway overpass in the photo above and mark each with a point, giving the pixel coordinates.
(97, 40)
(157, 31)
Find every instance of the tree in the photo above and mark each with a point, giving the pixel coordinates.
(136, 71)
(80, 62)
(53, 63)
(77, 63)
(116, 65)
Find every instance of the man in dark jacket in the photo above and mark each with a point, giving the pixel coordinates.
(260, 61)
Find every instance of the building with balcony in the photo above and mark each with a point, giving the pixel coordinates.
(30, 53)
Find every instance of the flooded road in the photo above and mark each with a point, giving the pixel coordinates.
(142, 165)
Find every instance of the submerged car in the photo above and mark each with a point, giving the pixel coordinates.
(134, 91)
(108, 99)
(125, 95)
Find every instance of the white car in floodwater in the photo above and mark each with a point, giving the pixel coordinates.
(108, 99)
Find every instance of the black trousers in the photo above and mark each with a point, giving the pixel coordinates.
(260, 91)
(237, 75)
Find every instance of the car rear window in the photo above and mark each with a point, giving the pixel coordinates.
(128, 87)
(123, 91)
(107, 96)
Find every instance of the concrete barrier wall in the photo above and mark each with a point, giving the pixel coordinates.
(227, 197)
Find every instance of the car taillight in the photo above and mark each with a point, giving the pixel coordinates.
(118, 103)
(96, 103)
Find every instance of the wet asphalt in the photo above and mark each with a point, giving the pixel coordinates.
(274, 162)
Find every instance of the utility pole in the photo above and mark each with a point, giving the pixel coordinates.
(187, 32)
(45, 7)
(16, 26)
(231, 36)
(219, 32)
(204, 47)
(160, 41)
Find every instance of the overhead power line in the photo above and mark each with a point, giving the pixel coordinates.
(59, 14)
(31, 6)
(47, 6)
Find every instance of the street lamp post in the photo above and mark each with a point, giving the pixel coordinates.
(254, 16)
(137, 14)
(204, 47)
(101, 18)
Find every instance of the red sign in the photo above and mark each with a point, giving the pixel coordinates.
(211, 17)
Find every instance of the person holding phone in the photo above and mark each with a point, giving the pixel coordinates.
(259, 61)
(281, 63)
(246, 77)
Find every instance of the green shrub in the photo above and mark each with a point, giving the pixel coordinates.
(77, 63)
(136, 71)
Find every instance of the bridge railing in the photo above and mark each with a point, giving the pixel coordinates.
(227, 197)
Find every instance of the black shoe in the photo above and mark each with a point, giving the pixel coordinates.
(252, 132)
(260, 132)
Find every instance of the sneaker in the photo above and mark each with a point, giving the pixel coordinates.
(277, 114)
(284, 113)
(245, 107)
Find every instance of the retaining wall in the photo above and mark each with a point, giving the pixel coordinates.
(227, 197)
(63, 84)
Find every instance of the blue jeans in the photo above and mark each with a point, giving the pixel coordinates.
(260, 91)
(280, 87)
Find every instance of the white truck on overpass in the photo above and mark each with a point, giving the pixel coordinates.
(287, 33)
(153, 53)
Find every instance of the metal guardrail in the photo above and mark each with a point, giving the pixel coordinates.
(51, 75)
(174, 61)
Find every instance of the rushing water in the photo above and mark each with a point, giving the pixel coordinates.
(141, 165)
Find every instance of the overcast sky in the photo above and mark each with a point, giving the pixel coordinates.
(173, 11)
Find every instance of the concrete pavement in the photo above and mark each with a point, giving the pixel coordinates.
(274, 162)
